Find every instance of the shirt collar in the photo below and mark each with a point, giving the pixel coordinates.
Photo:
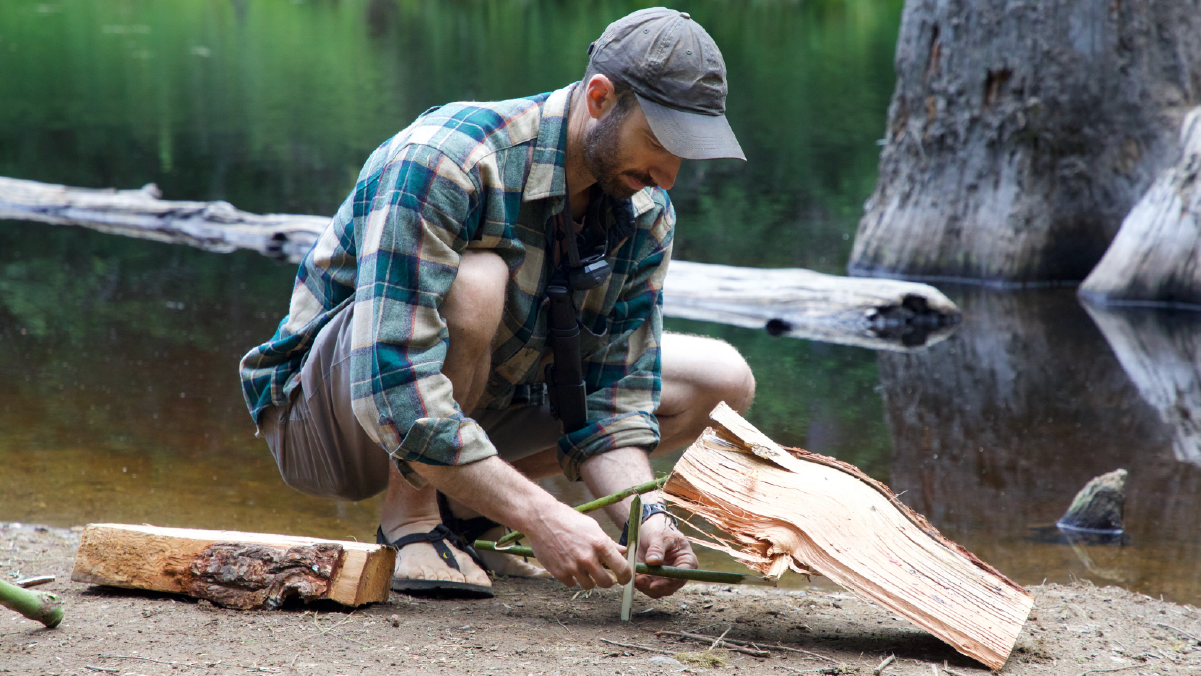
(548, 173)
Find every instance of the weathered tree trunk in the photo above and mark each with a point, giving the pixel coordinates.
(1161, 353)
(876, 314)
(1154, 258)
(232, 569)
(794, 509)
(1021, 133)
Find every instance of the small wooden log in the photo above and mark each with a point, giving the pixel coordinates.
(794, 509)
(1098, 507)
(879, 314)
(233, 569)
(872, 313)
(1153, 258)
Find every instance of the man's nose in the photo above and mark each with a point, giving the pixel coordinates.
(665, 173)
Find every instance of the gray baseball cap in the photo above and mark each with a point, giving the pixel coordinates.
(679, 77)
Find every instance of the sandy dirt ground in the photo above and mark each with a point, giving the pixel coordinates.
(540, 627)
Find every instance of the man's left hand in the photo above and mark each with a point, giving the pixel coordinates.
(660, 543)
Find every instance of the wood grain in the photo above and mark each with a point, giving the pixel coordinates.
(785, 508)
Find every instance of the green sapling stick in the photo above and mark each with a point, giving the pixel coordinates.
(39, 606)
(714, 576)
(595, 505)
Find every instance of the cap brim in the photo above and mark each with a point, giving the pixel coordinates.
(691, 136)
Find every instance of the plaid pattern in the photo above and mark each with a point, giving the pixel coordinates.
(480, 176)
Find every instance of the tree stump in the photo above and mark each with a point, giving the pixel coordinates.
(1021, 133)
(1153, 259)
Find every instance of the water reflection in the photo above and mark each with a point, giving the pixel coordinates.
(995, 429)
(1161, 353)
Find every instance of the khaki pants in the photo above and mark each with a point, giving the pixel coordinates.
(320, 448)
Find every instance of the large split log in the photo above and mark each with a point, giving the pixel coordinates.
(233, 569)
(1021, 133)
(872, 313)
(1153, 259)
(876, 314)
(794, 509)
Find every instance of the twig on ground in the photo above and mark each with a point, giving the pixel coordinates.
(719, 638)
(34, 581)
(111, 671)
(951, 671)
(149, 659)
(1179, 631)
(1105, 671)
(733, 644)
(884, 665)
(638, 647)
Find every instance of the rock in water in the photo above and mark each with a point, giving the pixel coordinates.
(1099, 505)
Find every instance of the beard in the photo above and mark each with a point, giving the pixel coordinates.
(604, 159)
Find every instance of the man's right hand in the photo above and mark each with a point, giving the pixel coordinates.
(573, 548)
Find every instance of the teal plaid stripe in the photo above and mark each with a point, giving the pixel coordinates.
(480, 176)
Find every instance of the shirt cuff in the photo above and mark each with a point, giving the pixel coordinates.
(441, 441)
(630, 430)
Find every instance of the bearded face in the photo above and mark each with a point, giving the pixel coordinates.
(603, 154)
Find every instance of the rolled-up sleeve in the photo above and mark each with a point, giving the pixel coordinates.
(624, 379)
(411, 229)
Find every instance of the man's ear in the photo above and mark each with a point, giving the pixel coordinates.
(600, 95)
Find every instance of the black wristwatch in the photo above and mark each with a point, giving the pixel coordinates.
(648, 510)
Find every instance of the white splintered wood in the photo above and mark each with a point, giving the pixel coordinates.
(829, 518)
(158, 559)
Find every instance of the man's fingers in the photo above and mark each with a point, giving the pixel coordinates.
(611, 557)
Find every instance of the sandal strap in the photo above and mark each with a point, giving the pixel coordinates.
(469, 529)
(438, 537)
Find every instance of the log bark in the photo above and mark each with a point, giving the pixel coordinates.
(874, 314)
(1161, 353)
(234, 569)
(787, 508)
(1153, 259)
(1021, 133)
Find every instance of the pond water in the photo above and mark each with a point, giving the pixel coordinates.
(118, 357)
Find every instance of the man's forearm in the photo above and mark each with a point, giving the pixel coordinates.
(617, 470)
(491, 487)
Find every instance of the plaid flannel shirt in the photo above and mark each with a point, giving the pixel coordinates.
(480, 176)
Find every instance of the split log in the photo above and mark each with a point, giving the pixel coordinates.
(233, 569)
(1021, 133)
(1098, 507)
(794, 509)
(1161, 353)
(1153, 259)
(875, 314)
(872, 313)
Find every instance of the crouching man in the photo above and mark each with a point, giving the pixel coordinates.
(413, 358)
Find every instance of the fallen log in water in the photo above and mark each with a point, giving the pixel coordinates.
(793, 509)
(233, 569)
(871, 313)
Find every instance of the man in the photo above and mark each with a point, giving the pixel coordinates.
(418, 327)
